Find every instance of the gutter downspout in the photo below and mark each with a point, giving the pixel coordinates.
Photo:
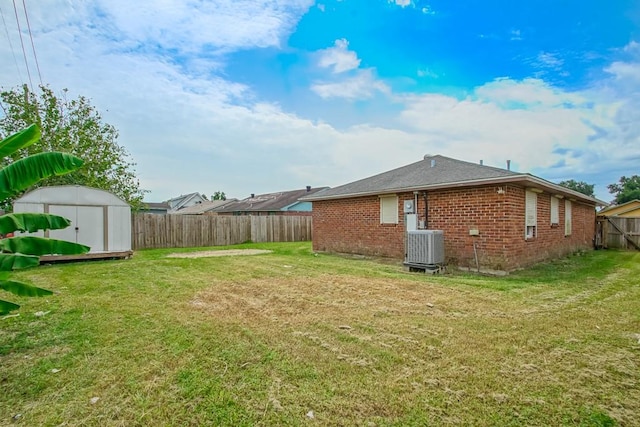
(426, 211)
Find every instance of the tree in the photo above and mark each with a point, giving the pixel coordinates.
(626, 190)
(24, 251)
(579, 186)
(219, 195)
(75, 127)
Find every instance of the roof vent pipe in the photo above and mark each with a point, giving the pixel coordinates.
(508, 165)
(308, 188)
(253, 195)
(481, 162)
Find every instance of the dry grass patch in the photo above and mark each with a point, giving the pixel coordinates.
(479, 353)
(337, 299)
(228, 252)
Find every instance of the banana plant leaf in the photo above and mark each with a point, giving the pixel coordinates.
(23, 289)
(10, 262)
(6, 307)
(25, 172)
(31, 222)
(19, 140)
(30, 245)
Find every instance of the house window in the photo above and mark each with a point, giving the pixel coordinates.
(567, 217)
(388, 209)
(531, 214)
(555, 211)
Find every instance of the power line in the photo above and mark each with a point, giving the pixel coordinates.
(33, 47)
(13, 53)
(24, 52)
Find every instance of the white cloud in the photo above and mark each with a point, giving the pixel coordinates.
(428, 73)
(549, 60)
(401, 3)
(348, 81)
(544, 130)
(528, 93)
(625, 71)
(476, 129)
(362, 85)
(222, 24)
(339, 57)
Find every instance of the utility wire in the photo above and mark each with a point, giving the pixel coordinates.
(33, 47)
(24, 52)
(13, 53)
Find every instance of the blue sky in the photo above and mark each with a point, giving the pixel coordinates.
(266, 95)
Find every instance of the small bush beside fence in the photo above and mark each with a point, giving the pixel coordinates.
(151, 231)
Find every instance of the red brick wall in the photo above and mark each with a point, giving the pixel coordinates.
(353, 226)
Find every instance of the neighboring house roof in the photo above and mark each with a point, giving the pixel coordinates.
(438, 172)
(152, 206)
(628, 209)
(269, 202)
(203, 207)
(184, 200)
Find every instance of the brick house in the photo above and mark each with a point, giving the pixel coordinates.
(513, 219)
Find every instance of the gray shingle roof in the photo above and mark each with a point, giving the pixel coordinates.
(439, 172)
(270, 202)
(201, 208)
(432, 170)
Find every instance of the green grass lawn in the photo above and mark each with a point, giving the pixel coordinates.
(294, 338)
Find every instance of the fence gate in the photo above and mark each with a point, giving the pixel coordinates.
(618, 233)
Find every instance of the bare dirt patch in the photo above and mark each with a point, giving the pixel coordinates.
(230, 252)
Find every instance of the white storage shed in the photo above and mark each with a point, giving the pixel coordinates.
(99, 219)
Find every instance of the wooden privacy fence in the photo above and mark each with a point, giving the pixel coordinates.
(618, 232)
(151, 231)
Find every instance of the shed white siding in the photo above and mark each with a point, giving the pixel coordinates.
(99, 219)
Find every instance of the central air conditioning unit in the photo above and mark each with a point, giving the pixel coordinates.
(425, 248)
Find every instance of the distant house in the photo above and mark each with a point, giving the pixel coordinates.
(629, 209)
(156, 208)
(185, 201)
(174, 205)
(207, 207)
(280, 203)
(491, 217)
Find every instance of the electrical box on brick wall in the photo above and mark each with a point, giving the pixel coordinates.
(411, 222)
(408, 206)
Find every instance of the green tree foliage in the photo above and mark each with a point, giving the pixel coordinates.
(219, 195)
(626, 190)
(579, 186)
(24, 251)
(75, 127)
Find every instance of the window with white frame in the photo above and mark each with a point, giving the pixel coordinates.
(389, 209)
(531, 214)
(555, 210)
(567, 218)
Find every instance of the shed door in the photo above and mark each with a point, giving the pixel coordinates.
(87, 225)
